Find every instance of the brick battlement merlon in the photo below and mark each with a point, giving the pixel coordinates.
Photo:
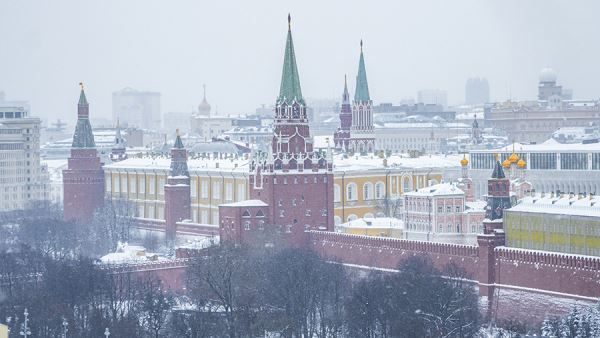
(556, 259)
(394, 243)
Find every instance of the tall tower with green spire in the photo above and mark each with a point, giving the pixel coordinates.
(362, 132)
(292, 134)
(83, 180)
(294, 182)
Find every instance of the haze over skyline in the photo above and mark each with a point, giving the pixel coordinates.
(236, 48)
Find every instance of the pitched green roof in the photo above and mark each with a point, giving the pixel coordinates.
(82, 98)
(83, 136)
(178, 143)
(290, 80)
(362, 86)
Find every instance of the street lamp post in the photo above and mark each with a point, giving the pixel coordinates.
(65, 326)
(25, 326)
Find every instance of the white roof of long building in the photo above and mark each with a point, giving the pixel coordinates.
(352, 163)
(573, 205)
(550, 145)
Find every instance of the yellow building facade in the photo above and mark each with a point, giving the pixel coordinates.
(363, 186)
(569, 224)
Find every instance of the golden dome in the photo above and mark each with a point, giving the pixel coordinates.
(464, 161)
(521, 163)
(513, 158)
(506, 163)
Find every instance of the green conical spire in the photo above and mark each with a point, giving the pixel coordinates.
(178, 143)
(82, 98)
(362, 86)
(290, 81)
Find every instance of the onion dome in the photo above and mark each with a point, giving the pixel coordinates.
(521, 164)
(506, 163)
(513, 158)
(464, 162)
(204, 106)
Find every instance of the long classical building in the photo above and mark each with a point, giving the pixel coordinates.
(567, 223)
(551, 166)
(364, 186)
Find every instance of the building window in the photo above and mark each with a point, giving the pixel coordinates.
(351, 217)
(241, 192)
(379, 190)
(142, 185)
(440, 209)
(194, 188)
(261, 225)
(108, 183)
(307, 213)
(228, 191)
(406, 184)
(457, 208)
(367, 191)
(152, 185)
(247, 225)
(336, 193)
(281, 213)
(118, 184)
(288, 228)
(133, 185)
(216, 190)
(204, 189)
(351, 192)
(448, 209)
(161, 186)
(124, 183)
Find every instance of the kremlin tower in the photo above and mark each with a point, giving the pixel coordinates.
(342, 135)
(118, 152)
(83, 180)
(362, 133)
(291, 185)
(177, 189)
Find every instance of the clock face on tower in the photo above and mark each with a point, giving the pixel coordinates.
(295, 112)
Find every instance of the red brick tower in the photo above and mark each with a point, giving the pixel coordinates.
(342, 135)
(177, 189)
(295, 181)
(83, 180)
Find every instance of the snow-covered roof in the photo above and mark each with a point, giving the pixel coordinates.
(246, 203)
(380, 222)
(194, 164)
(441, 189)
(574, 205)
(367, 162)
(549, 145)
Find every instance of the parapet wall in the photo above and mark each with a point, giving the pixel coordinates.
(563, 275)
(549, 272)
(387, 253)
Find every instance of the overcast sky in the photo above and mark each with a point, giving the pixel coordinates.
(236, 48)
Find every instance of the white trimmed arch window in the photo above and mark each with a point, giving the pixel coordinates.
(336, 193)
(379, 190)
(352, 217)
(351, 192)
(368, 191)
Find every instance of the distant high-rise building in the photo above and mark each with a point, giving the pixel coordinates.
(135, 108)
(548, 91)
(477, 91)
(433, 96)
(21, 175)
